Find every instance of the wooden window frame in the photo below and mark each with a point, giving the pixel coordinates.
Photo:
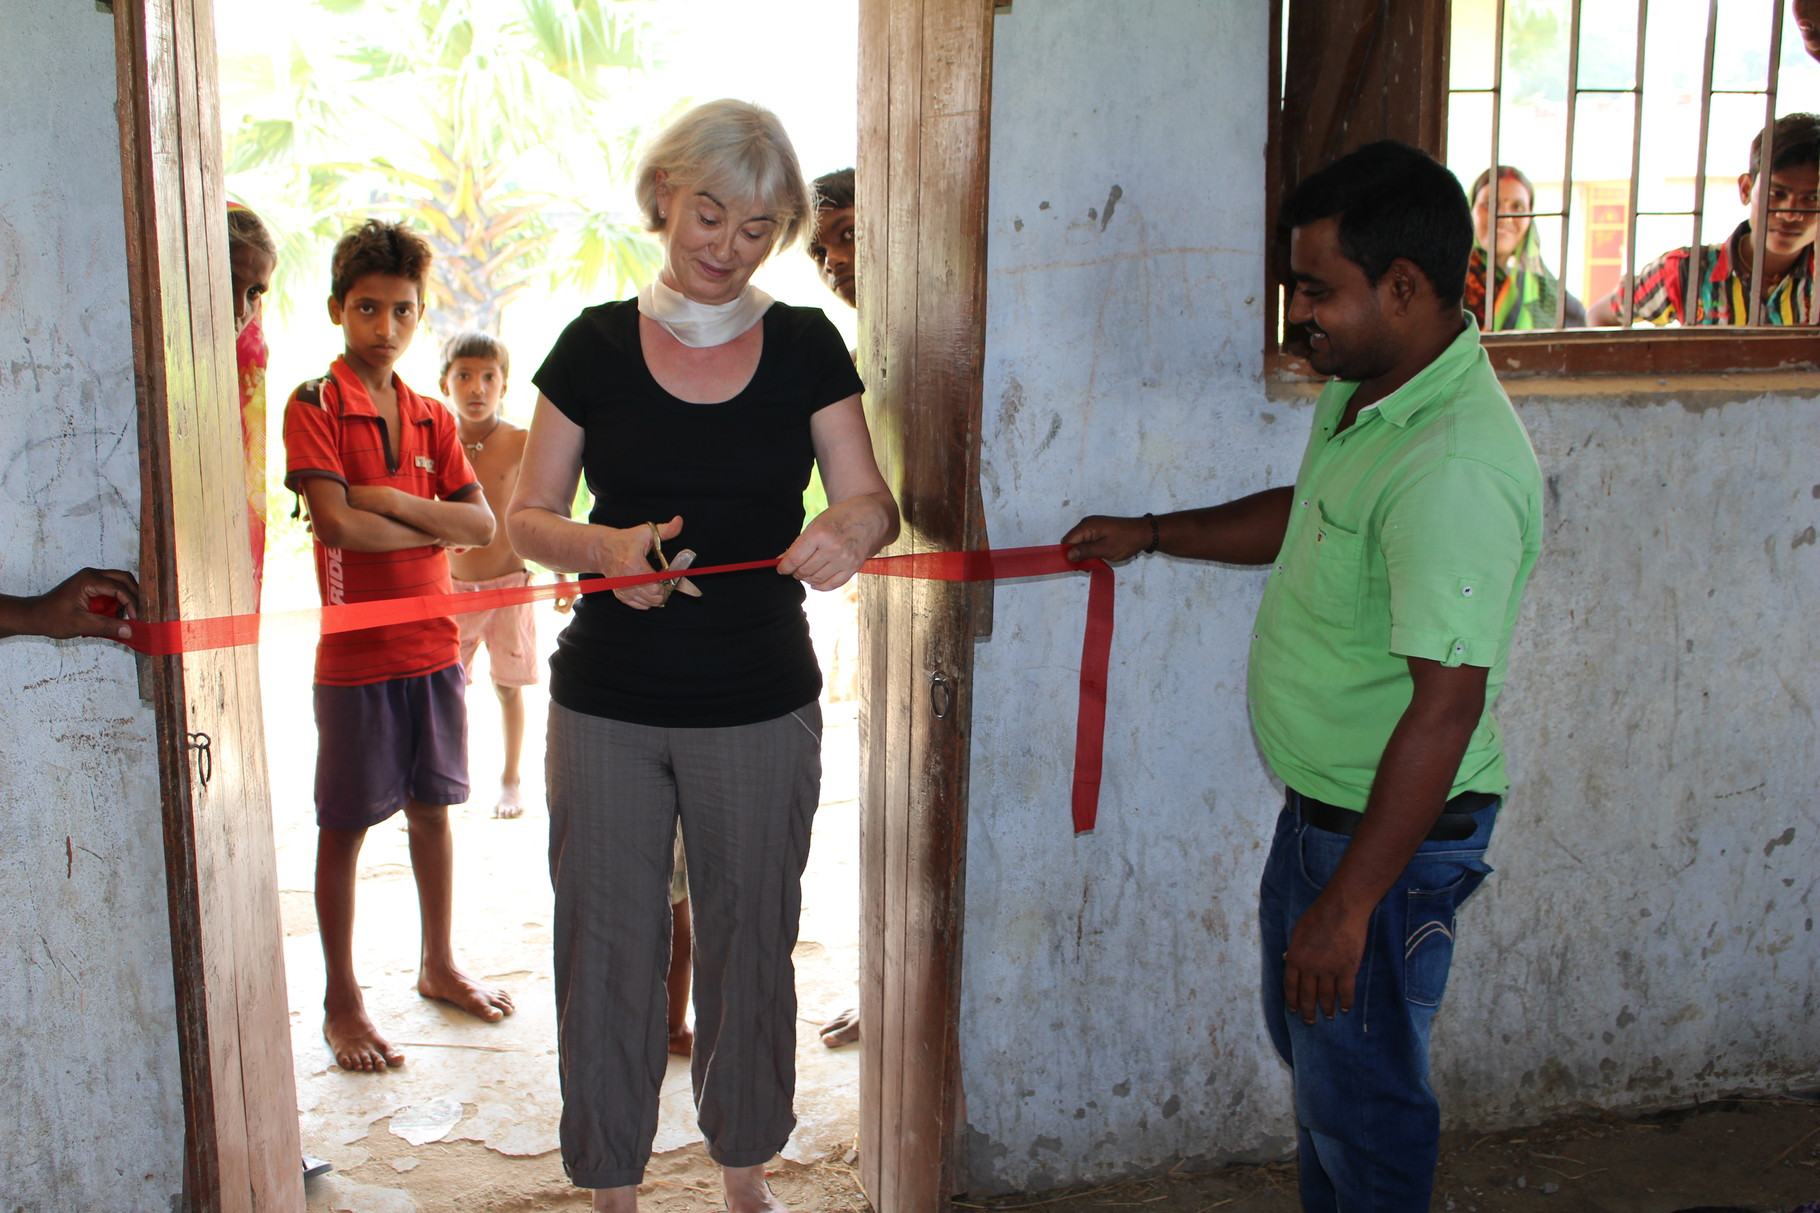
(1362, 70)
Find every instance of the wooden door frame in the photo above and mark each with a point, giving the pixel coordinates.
(241, 1139)
(925, 83)
(925, 67)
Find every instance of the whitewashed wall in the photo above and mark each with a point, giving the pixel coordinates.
(89, 1090)
(1648, 938)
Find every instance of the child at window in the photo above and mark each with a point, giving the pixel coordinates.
(1723, 275)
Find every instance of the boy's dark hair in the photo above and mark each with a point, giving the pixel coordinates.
(1393, 201)
(378, 247)
(476, 344)
(834, 190)
(1797, 143)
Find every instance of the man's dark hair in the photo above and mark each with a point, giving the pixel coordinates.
(834, 190)
(378, 247)
(1797, 143)
(476, 344)
(1393, 201)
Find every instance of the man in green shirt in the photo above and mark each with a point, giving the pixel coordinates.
(1398, 560)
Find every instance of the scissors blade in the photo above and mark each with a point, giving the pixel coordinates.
(683, 560)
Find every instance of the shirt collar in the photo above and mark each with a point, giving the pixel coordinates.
(1431, 382)
(355, 402)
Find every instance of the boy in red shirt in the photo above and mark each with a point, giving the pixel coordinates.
(388, 490)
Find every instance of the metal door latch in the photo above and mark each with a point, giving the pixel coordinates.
(941, 694)
(202, 743)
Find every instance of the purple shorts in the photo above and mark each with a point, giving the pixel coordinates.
(383, 744)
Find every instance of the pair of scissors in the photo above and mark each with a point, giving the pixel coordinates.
(683, 560)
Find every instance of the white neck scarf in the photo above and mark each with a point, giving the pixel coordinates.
(699, 325)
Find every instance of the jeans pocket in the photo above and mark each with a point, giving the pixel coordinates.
(1318, 855)
(1428, 941)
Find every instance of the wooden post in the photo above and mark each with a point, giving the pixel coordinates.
(242, 1146)
(925, 69)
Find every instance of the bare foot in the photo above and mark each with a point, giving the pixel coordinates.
(509, 804)
(843, 1029)
(682, 1040)
(747, 1191)
(358, 1046)
(615, 1200)
(454, 986)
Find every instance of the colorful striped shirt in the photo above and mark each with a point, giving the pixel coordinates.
(1724, 298)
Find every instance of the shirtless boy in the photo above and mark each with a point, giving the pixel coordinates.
(475, 367)
(388, 489)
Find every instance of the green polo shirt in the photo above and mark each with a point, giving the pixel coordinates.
(1411, 534)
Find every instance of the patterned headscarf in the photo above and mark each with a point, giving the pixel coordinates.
(1524, 293)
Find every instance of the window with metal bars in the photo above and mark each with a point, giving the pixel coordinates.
(1629, 122)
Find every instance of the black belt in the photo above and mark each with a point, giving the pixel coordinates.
(1455, 822)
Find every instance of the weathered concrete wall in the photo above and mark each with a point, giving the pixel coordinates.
(1648, 938)
(1107, 1017)
(89, 1087)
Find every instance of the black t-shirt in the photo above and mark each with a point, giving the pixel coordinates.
(736, 472)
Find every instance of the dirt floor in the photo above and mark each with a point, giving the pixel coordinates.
(1760, 1155)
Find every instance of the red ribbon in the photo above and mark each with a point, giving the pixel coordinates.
(164, 638)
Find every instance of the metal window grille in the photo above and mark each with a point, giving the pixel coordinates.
(1697, 266)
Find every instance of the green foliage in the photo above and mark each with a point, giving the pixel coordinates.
(1536, 48)
(466, 119)
(815, 497)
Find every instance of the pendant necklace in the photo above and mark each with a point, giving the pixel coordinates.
(477, 447)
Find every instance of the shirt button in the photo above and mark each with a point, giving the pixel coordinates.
(1279, 568)
(1304, 505)
(1459, 648)
(1466, 591)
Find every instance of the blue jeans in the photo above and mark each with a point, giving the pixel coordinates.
(1367, 1124)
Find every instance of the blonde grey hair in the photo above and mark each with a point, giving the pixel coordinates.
(734, 150)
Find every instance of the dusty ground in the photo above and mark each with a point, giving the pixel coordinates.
(1761, 1155)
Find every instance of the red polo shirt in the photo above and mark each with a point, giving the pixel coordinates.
(331, 429)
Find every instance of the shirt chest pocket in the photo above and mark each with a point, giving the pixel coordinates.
(1333, 586)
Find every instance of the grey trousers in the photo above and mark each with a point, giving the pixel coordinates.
(745, 798)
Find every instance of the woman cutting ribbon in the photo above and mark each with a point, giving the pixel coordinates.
(696, 412)
(1524, 292)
